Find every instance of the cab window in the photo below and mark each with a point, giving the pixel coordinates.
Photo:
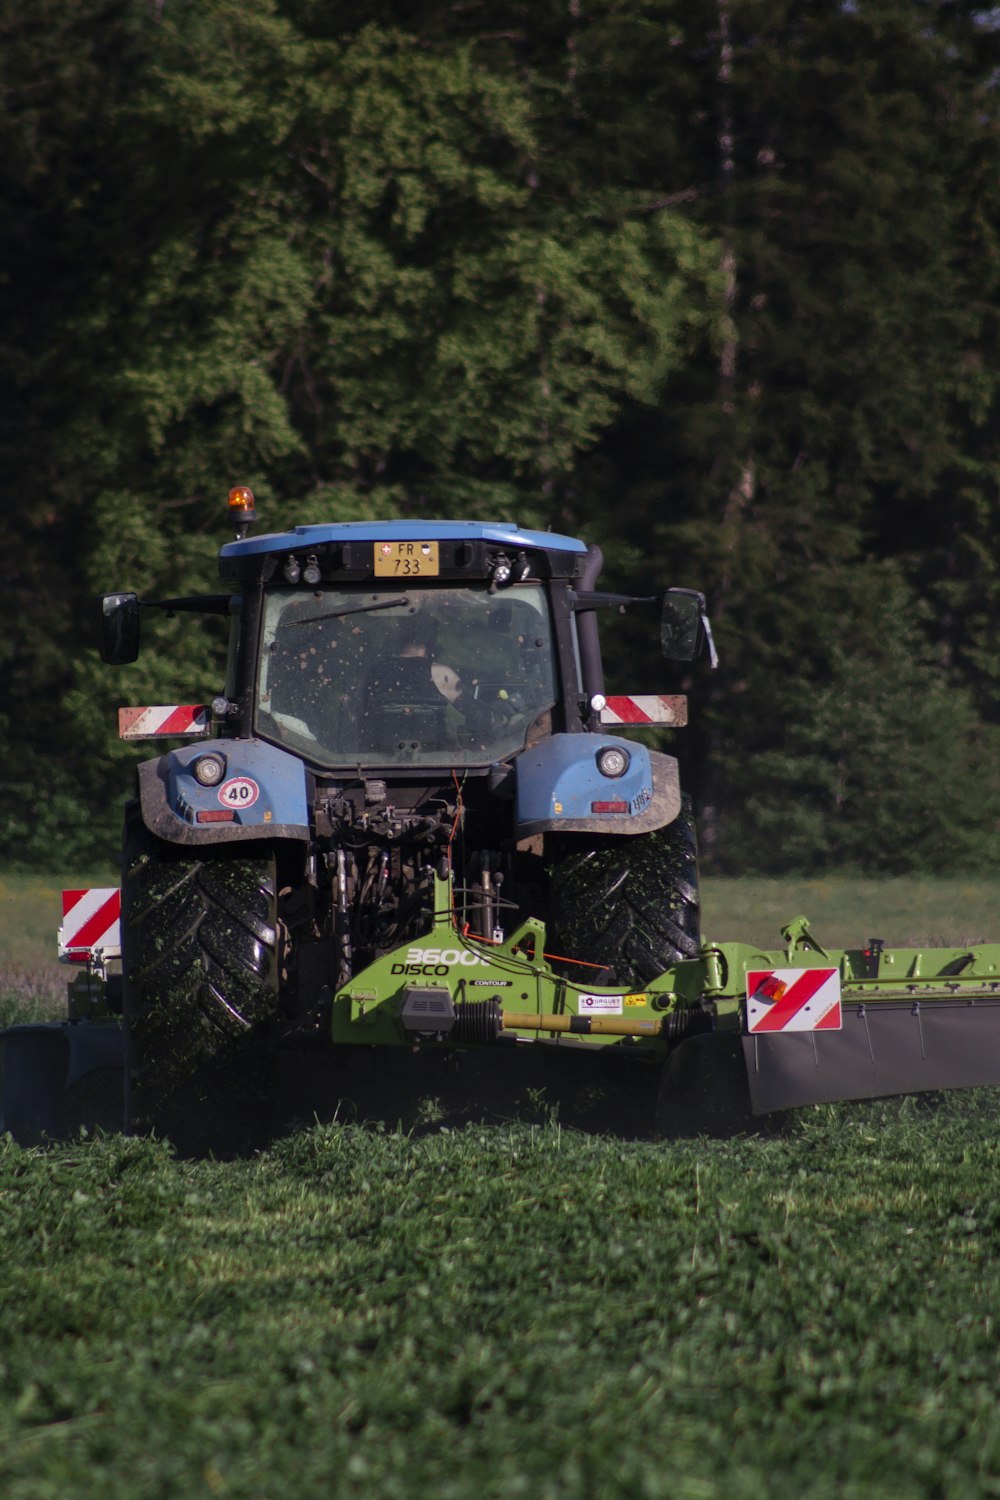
(404, 675)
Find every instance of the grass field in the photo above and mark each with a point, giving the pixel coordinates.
(518, 1310)
(510, 1312)
(32, 981)
(845, 910)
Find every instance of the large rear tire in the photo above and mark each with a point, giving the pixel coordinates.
(200, 988)
(626, 904)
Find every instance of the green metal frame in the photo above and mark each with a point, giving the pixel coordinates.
(514, 972)
(537, 1002)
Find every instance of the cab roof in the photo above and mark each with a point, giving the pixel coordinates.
(500, 533)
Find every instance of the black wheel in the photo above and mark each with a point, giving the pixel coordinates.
(200, 992)
(627, 903)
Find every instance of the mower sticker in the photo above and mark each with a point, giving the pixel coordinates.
(440, 971)
(437, 962)
(448, 956)
(635, 1000)
(593, 1005)
(793, 1000)
(239, 792)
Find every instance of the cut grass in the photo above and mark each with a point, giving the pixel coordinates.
(508, 1311)
(846, 910)
(501, 1312)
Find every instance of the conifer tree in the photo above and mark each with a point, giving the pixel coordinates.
(846, 415)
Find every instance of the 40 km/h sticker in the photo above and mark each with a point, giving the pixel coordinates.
(239, 792)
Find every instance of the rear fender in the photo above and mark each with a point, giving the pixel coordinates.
(261, 793)
(558, 782)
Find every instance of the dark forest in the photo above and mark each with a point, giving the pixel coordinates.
(712, 284)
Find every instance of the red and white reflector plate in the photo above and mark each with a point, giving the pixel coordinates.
(662, 708)
(91, 924)
(793, 1000)
(154, 723)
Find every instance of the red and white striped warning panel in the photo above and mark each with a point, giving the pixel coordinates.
(793, 1000)
(663, 708)
(91, 924)
(191, 719)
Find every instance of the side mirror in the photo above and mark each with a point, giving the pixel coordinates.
(118, 628)
(683, 625)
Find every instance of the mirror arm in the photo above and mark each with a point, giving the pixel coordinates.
(579, 599)
(205, 604)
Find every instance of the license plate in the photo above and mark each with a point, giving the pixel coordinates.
(406, 560)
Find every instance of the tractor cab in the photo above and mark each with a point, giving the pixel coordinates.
(406, 673)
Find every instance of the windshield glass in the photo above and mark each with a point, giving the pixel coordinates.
(405, 675)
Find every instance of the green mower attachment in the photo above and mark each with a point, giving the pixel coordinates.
(737, 1030)
(815, 1025)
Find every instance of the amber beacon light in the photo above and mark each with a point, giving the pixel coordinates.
(241, 507)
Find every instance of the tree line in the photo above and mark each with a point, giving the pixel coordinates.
(713, 284)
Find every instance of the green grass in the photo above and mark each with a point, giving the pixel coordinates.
(32, 981)
(31, 911)
(845, 910)
(513, 1311)
(510, 1311)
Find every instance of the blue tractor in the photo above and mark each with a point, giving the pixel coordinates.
(413, 737)
(410, 825)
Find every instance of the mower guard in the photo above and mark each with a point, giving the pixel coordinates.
(43, 1067)
(894, 1047)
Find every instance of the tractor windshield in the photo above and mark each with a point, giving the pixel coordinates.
(404, 674)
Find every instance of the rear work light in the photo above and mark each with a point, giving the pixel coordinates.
(209, 769)
(613, 760)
